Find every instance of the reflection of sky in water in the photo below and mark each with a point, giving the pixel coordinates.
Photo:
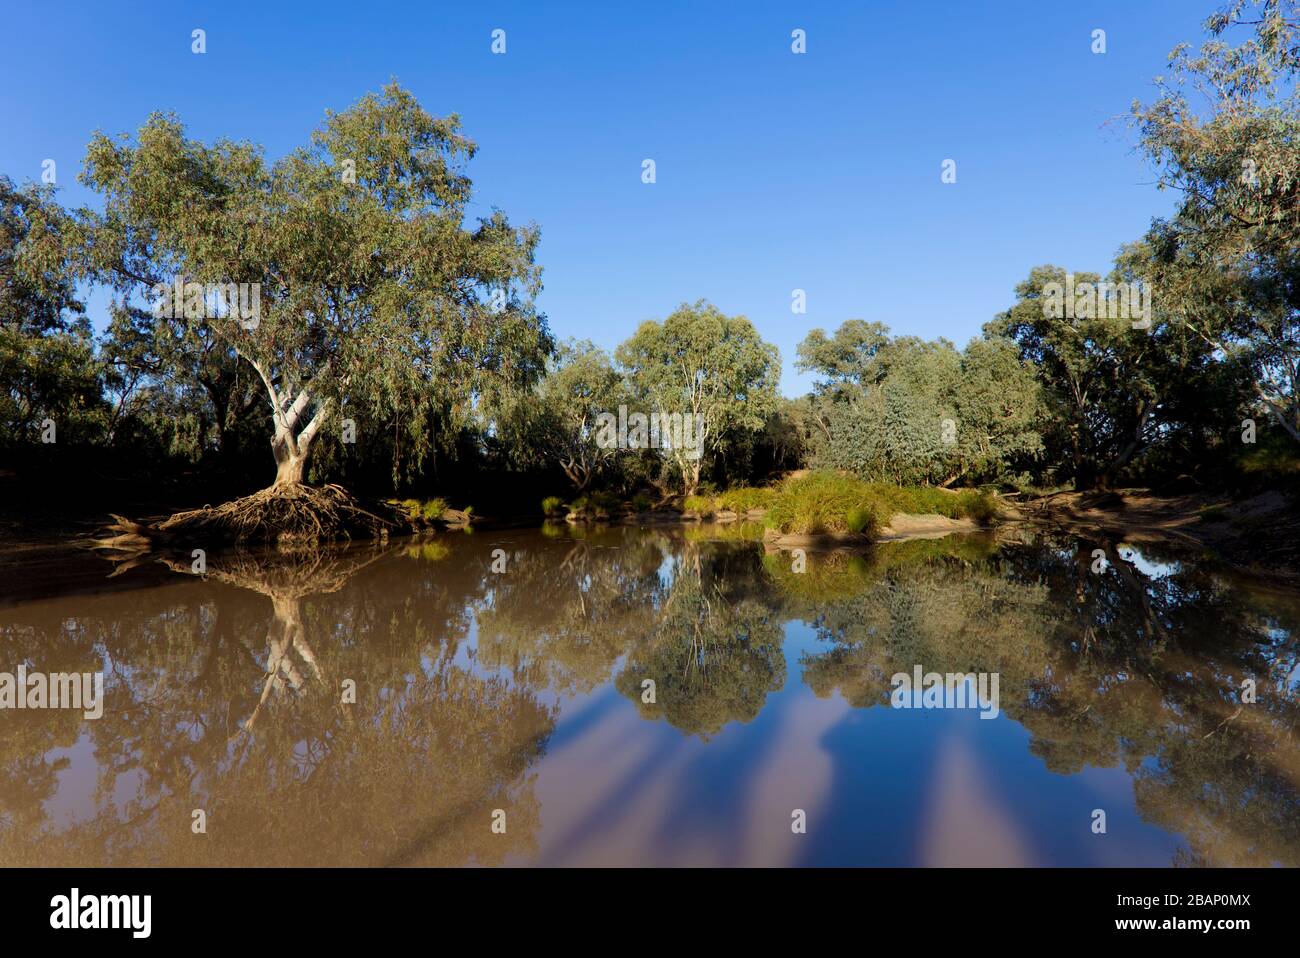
(1151, 568)
(879, 786)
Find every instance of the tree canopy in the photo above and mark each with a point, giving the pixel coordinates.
(368, 296)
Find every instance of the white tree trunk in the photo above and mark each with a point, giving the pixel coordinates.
(289, 445)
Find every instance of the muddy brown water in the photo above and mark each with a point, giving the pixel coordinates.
(656, 696)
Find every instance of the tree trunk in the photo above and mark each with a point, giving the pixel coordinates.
(289, 462)
(291, 450)
(690, 477)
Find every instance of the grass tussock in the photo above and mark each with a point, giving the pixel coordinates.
(419, 512)
(595, 505)
(699, 504)
(830, 502)
(740, 500)
(746, 498)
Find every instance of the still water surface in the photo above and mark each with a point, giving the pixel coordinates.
(482, 692)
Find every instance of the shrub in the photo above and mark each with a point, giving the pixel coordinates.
(434, 509)
(641, 502)
(553, 506)
(598, 505)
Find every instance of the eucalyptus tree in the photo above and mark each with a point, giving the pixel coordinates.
(48, 367)
(555, 423)
(710, 367)
(1222, 132)
(343, 274)
(903, 409)
(1102, 409)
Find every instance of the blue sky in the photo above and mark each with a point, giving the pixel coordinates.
(775, 171)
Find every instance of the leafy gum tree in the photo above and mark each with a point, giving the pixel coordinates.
(1100, 378)
(555, 423)
(377, 302)
(48, 366)
(701, 362)
(1223, 134)
(906, 410)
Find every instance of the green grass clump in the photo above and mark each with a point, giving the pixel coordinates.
(418, 511)
(641, 502)
(597, 505)
(739, 500)
(830, 502)
(701, 504)
(860, 521)
(744, 498)
(817, 503)
(553, 506)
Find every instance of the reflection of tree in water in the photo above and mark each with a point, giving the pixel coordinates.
(29, 740)
(568, 608)
(715, 650)
(221, 700)
(688, 613)
(409, 774)
(1104, 669)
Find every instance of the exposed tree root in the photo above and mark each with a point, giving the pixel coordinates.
(289, 512)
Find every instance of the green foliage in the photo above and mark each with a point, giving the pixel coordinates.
(744, 498)
(555, 423)
(1113, 392)
(422, 512)
(1271, 459)
(1230, 153)
(860, 521)
(845, 360)
(831, 502)
(595, 505)
(377, 305)
(375, 298)
(48, 366)
(553, 506)
(739, 500)
(704, 505)
(820, 502)
(700, 362)
(906, 410)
